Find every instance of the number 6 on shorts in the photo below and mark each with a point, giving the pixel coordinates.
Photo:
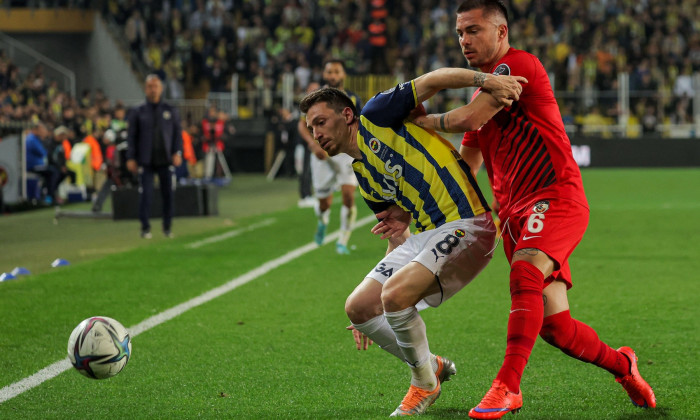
(535, 223)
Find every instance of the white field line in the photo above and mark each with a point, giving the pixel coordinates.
(55, 369)
(229, 234)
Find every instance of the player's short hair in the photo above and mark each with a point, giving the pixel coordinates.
(489, 7)
(335, 61)
(336, 99)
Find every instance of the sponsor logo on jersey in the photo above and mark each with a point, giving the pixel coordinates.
(541, 206)
(460, 233)
(502, 69)
(374, 145)
(393, 173)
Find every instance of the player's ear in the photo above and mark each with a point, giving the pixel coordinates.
(348, 115)
(502, 31)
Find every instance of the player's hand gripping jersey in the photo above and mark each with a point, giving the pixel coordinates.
(406, 165)
(525, 147)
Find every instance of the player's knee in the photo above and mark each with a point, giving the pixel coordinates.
(525, 278)
(549, 333)
(359, 310)
(556, 329)
(392, 299)
(353, 309)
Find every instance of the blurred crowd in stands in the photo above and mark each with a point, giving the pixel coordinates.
(657, 42)
(192, 43)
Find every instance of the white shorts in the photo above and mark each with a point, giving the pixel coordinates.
(330, 173)
(455, 252)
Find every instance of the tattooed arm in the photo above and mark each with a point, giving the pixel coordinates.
(465, 118)
(504, 88)
(499, 91)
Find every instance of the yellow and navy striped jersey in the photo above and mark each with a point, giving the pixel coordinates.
(412, 167)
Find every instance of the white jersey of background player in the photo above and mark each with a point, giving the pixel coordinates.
(328, 172)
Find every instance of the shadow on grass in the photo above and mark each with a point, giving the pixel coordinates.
(447, 412)
(653, 413)
(455, 413)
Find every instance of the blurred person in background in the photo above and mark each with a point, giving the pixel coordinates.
(155, 148)
(58, 157)
(195, 165)
(329, 172)
(213, 128)
(37, 158)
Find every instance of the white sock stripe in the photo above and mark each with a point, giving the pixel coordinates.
(400, 316)
(370, 326)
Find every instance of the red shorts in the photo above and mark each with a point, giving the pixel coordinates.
(555, 226)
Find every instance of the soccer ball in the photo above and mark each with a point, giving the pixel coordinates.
(99, 347)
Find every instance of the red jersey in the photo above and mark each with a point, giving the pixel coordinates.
(526, 151)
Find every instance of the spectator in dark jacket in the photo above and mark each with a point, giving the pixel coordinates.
(155, 147)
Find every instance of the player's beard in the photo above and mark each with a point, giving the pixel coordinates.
(474, 62)
(334, 84)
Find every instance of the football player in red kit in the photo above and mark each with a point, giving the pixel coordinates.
(541, 204)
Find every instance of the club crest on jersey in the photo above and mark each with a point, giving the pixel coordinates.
(166, 115)
(502, 69)
(374, 145)
(541, 206)
(460, 233)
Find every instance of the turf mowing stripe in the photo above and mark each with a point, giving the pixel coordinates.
(55, 369)
(230, 234)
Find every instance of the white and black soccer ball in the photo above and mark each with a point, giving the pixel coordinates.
(99, 347)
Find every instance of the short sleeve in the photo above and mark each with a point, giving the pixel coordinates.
(391, 107)
(471, 139)
(519, 64)
(377, 206)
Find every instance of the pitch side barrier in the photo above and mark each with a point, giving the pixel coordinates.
(652, 151)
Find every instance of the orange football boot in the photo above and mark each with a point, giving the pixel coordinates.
(497, 402)
(445, 369)
(637, 388)
(416, 401)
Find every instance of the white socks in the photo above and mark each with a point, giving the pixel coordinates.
(347, 220)
(411, 338)
(323, 217)
(381, 333)
(379, 330)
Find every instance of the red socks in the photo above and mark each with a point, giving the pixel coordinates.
(580, 341)
(524, 322)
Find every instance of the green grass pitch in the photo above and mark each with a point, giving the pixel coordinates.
(277, 347)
